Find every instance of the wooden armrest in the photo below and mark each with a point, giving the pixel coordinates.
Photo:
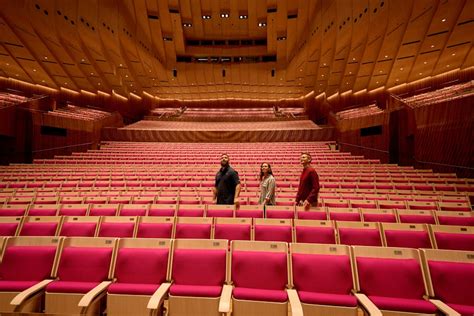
(226, 295)
(444, 308)
(368, 305)
(295, 303)
(157, 298)
(92, 294)
(22, 296)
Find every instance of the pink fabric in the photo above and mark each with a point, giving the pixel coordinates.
(195, 290)
(157, 211)
(12, 211)
(8, 229)
(193, 231)
(154, 230)
(407, 239)
(259, 294)
(116, 229)
(453, 282)
(220, 213)
(280, 214)
(78, 229)
(132, 288)
(199, 267)
(84, 264)
(249, 213)
(417, 219)
(403, 275)
(312, 215)
(247, 270)
(16, 286)
(273, 233)
(360, 237)
(112, 211)
(331, 274)
(404, 304)
(327, 299)
(27, 263)
(382, 218)
(346, 217)
(42, 211)
(133, 212)
(317, 235)
(454, 241)
(456, 220)
(464, 310)
(73, 212)
(191, 212)
(70, 287)
(38, 229)
(141, 265)
(232, 231)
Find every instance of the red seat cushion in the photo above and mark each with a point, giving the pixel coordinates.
(154, 230)
(273, 233)
(456, 220)
(39, 229)
(242, 293)
(8, 229)
(232, 231)
(453, 282)
(454, 241)
(193, 231)
(77, 229)
(361, 237)
(407, 238)
(327, 299)
(465, 310)
(27, 263)
(196, 290)
(15, 286)
(70, 287)
(84, 264)
(199, 267)
(319, 235)
(133, 288)
(403, 304)
(141, 265)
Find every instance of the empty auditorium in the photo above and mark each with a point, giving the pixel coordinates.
(236, 157)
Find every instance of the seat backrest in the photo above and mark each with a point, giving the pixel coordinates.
(117, 226)
(220, 210)
(9, 226)
(162, 210)
(199, 262)
(40, 226)
(143, 261)
(313, 231)
(193, 227)
(359, 233)
(29, 258)
(453, 237)
(450, 275)
(455, 218)
(155, 227)
(416, 216)
(321, 268)
(73, 209)
(232, 228)
(104, 209)
(134, 210)
(389, 272)
(86, 259)
(386, 216)
(280, 211)
(344, 214)
(406, 235)
(273, 229)
(191, 210)
(79, 226)
(248, 258)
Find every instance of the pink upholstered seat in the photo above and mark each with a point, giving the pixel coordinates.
(154, 230)
(407, 239)
(8, 229)
(406, 289)
(39, 229)
(454, 241)
(319, 235)
(78, 229)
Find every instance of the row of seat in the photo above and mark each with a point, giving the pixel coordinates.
(306, 231)
(450, 217)
(207, 277)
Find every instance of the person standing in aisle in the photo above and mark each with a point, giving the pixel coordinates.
(267, 185)
(227, 185)
(308, 188)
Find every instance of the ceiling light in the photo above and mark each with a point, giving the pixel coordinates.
(396, 80)
(224, 15)
(420, 73)
(425, 62)
(386, 56)
(34, 69)
(206, 17)
(376, 82)
(432, 46)
(262, 24)
(353, 58)
(98, 83)
(401, 69)
(443, 20)
(126, 76)
(453, 54)
(45, 57)
(120, 65)
(17, 75)
(83, 60)
(187, 24)
(65, 83)
(281, 38)
(380, 71)
(92, 73)
(447, 66)
(42, 80)
(243, 17)
(350, 72)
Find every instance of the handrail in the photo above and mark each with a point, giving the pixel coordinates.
(358, 146)
(62, 147)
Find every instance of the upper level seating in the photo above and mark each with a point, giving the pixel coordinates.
(441, 95)
(80, 113)
(371, 109)
(9, 98)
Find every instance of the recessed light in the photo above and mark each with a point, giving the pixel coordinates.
(350, 72)
(396, 80)
(7, 64)
(386, 56)
(45, 57)
(34, 70)
(42, 80)
(425, 62)
(432, 46)
(262, 24)
(92, 73)
(401, 68)
(243, 17)
(380, 71)
(353, 58)
(83, 60)
(420, 73)
(206, 17)
(447, 66)
(98, 83)
(224, 15)
(187, 24)
(443, 20)
(453, 54)
(322, 75)
(120, 65)
(376, 82)
(17, 75)
(65, 83)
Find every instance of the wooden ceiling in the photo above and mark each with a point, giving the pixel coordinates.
(233, 49)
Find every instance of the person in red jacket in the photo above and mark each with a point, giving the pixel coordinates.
(308, 188)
